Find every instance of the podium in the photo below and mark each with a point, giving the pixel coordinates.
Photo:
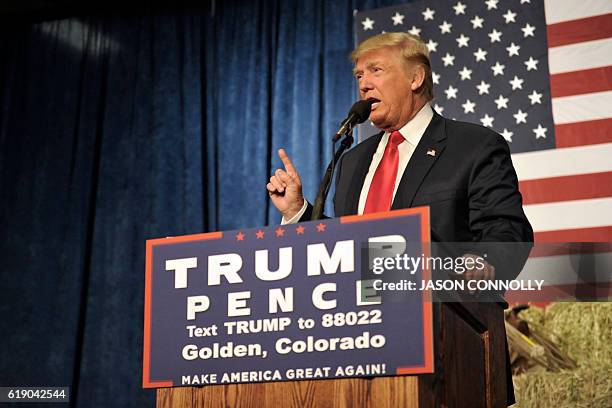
(435, 354)
(470, 371)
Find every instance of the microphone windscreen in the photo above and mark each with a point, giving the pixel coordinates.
(362, 109)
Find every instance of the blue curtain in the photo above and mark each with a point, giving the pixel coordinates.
(119, 128)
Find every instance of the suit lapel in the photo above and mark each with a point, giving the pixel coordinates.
(363, 164)
(428, 150)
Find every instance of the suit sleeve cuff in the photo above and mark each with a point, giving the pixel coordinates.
(296, 217)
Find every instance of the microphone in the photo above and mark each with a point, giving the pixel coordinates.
(359, 113)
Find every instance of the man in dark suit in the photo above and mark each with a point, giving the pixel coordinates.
(462, 171)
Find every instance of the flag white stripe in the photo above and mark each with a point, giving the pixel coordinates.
(557, 11)
(564, 269)
(576, 160)
(570, 214)
(580, 56)
(581, 108)
(563, 162)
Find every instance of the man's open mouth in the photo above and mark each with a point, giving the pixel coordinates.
(375, 103)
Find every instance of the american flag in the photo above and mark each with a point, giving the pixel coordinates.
(540, 74)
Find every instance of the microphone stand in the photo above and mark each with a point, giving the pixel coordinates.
(317, 211)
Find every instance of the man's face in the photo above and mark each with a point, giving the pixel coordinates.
(382, 76)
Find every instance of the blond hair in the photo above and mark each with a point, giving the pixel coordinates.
(412, 50)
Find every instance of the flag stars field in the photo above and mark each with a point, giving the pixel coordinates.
(445, 27)
(535, 97)
(540, 132)
(368, 24)
(415, 31)
(398, 19)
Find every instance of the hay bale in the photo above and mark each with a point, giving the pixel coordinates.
(584, 332)
(585, 387)
(534, 316)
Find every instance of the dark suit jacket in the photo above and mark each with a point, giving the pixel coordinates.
(469, 184)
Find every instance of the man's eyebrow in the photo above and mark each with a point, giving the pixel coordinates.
(367, 65)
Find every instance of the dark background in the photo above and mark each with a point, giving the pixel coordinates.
(121, 122)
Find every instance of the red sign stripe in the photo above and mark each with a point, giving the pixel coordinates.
(597, 234)
(584, 133)
(575, 187)
(576, 31)
(581, 82)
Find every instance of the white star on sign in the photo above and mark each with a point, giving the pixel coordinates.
(448, 59)
(428, 14)
(445, 27)
(495, 36)
(483, 88)
(501, 102)
(528, 30)
(398, 19)
(468, 106)
(517, 83)
(520, 116)
(509, 17)
(535, 97)
(432, 45)
(465, 73)
(498, 69)
(462, 41)
(491, 4)
(438, 108)
(513, 49)
(459, 8)
(531, 64)
(368, 24)
(480, 55)
(436, 78)
(507, 135)
(415, 30)
(451, 93)
(487, 120)
(540, 132)
(476, 22)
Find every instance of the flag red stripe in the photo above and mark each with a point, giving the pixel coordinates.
(575, 31)
(581, 82)
(596, 234)
(584, 133)
(565, 188)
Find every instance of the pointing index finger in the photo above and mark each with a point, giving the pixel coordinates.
(286, 161)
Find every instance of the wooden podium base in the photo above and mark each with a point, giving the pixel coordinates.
(351, 392)
(470, 371)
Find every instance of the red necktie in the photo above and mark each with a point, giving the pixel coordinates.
(380, 195)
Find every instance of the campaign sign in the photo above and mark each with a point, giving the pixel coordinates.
(284, 303)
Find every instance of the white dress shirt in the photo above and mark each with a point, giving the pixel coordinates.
(412, 132)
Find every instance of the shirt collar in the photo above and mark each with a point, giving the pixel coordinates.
(415, 128)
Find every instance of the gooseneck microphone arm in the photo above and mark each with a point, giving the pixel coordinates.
(317, 211)
(359, 112)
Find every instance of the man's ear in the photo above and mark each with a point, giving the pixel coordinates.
(418, 76)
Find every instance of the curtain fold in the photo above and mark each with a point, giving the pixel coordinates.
(115, 129)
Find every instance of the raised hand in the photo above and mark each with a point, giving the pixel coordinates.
(285, 188)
